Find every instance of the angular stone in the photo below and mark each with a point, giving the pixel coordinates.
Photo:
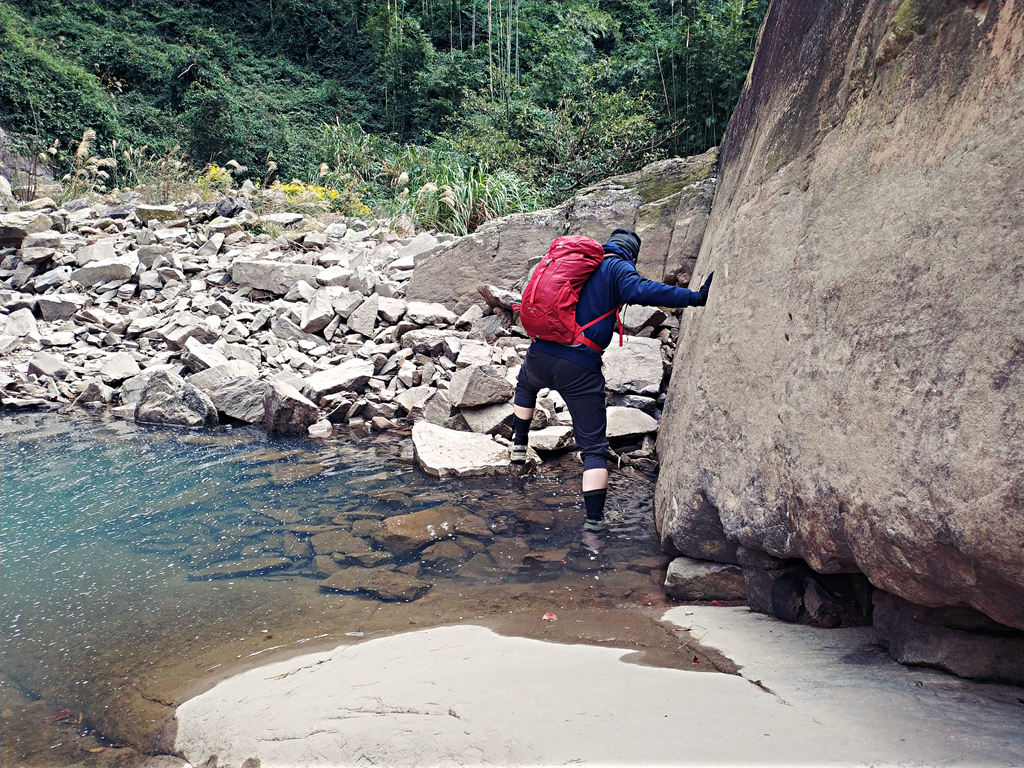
(118, 367)
(347, 376)
(197, 356)
(381, 583)
(15, 227)
(240, 399)
(446, 452)
(426, 341)
(414, 399)
(479, 385)
(211, 247)
(158, 212)
(488, 419)
(99, 272)
(444, 556)
(335, 276)
(55, 277)
(169, 399)
(637, 317)
(284, 219)
(35, 256)
(219, 375)
(688, 579)
(272, 276)
(552, 438)
(430, 313)
(391, 309)
(338, 541)
(95, 392)
(49, 238)
(957, 640)
(19, 324)
(634, 367)
(236, 569)
(629, 422)
(288, 411)
(102, 251)
(364, 319)
(318, 314)
(47, 365)
(60, 306)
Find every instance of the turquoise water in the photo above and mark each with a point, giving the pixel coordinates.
(125, 546)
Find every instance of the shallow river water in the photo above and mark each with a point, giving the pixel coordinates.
(139, 564)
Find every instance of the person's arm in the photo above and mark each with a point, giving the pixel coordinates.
(633, 288)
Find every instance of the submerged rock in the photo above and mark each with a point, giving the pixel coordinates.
(447, 452)
(381, 583)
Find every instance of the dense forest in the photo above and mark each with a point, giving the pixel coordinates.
(535, 96)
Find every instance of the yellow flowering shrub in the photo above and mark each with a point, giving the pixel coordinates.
(344, 200)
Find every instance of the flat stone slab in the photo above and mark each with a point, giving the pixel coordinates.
(447, 452)
(805, 696)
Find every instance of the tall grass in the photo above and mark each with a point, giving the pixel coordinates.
(433, 188)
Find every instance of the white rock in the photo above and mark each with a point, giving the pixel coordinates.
(273, 276)
(430, 313)
(634, 367)
(102, 251)
(105, 271)
(348, 375)
(446, 452)
(553, 438)
(629, 422)
(364, 319)
(119, 367)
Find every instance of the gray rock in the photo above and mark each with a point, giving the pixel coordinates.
(169, 399)
(284, 219)
(445, 452)
(272, 276)
(957, 640)
(479, 385)
(35, 256)
(390, 309)
(347, 376)
(288, 411)
(95, 392)
(318, 314)
(19, 324)
(414, 399)
(49, 238)
(634, 367)
(688, 579)
(51, 279)
(426, 341)
(489, 419)
(60, 306)
(101, 251)
(118, 367)
(553, 438)
(98, 272)
(430, 313)
(629, 422)
(217, 376)
(850, 420)
(50, 366)
(364, 319)
(380, 583)
(636, 317)
(211, 247)
(197, 356)
(240, 399)
(15, 227)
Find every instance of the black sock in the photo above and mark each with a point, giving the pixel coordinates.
(520, 430)
(594, 501)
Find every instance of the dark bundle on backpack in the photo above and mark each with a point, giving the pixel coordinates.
(549, 303)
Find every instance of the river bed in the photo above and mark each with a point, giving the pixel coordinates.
(141, 565)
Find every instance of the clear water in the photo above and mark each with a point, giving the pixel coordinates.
(116, 537)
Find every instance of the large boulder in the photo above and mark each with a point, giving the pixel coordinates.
(667, 203)
(275, 277)
(851, 394)
(286, 410)
(169, 399)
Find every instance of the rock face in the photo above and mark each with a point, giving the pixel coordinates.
(851, 395)
(667, 203)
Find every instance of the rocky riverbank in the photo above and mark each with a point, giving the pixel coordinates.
(198, 315)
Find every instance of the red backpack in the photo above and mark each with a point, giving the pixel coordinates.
(548, 310)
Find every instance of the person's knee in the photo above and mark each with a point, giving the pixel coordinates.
(525, 398)
(595, 460)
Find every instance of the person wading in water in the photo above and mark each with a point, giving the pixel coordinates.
(574, 369)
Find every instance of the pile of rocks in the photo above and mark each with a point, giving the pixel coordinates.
(197, 315)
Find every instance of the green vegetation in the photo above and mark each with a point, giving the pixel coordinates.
(445, 111)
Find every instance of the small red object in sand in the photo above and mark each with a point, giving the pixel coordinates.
(61, 714)
(716, 602)
(549, 617)
(696, 660)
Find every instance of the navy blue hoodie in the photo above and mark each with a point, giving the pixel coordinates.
(616, 282)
